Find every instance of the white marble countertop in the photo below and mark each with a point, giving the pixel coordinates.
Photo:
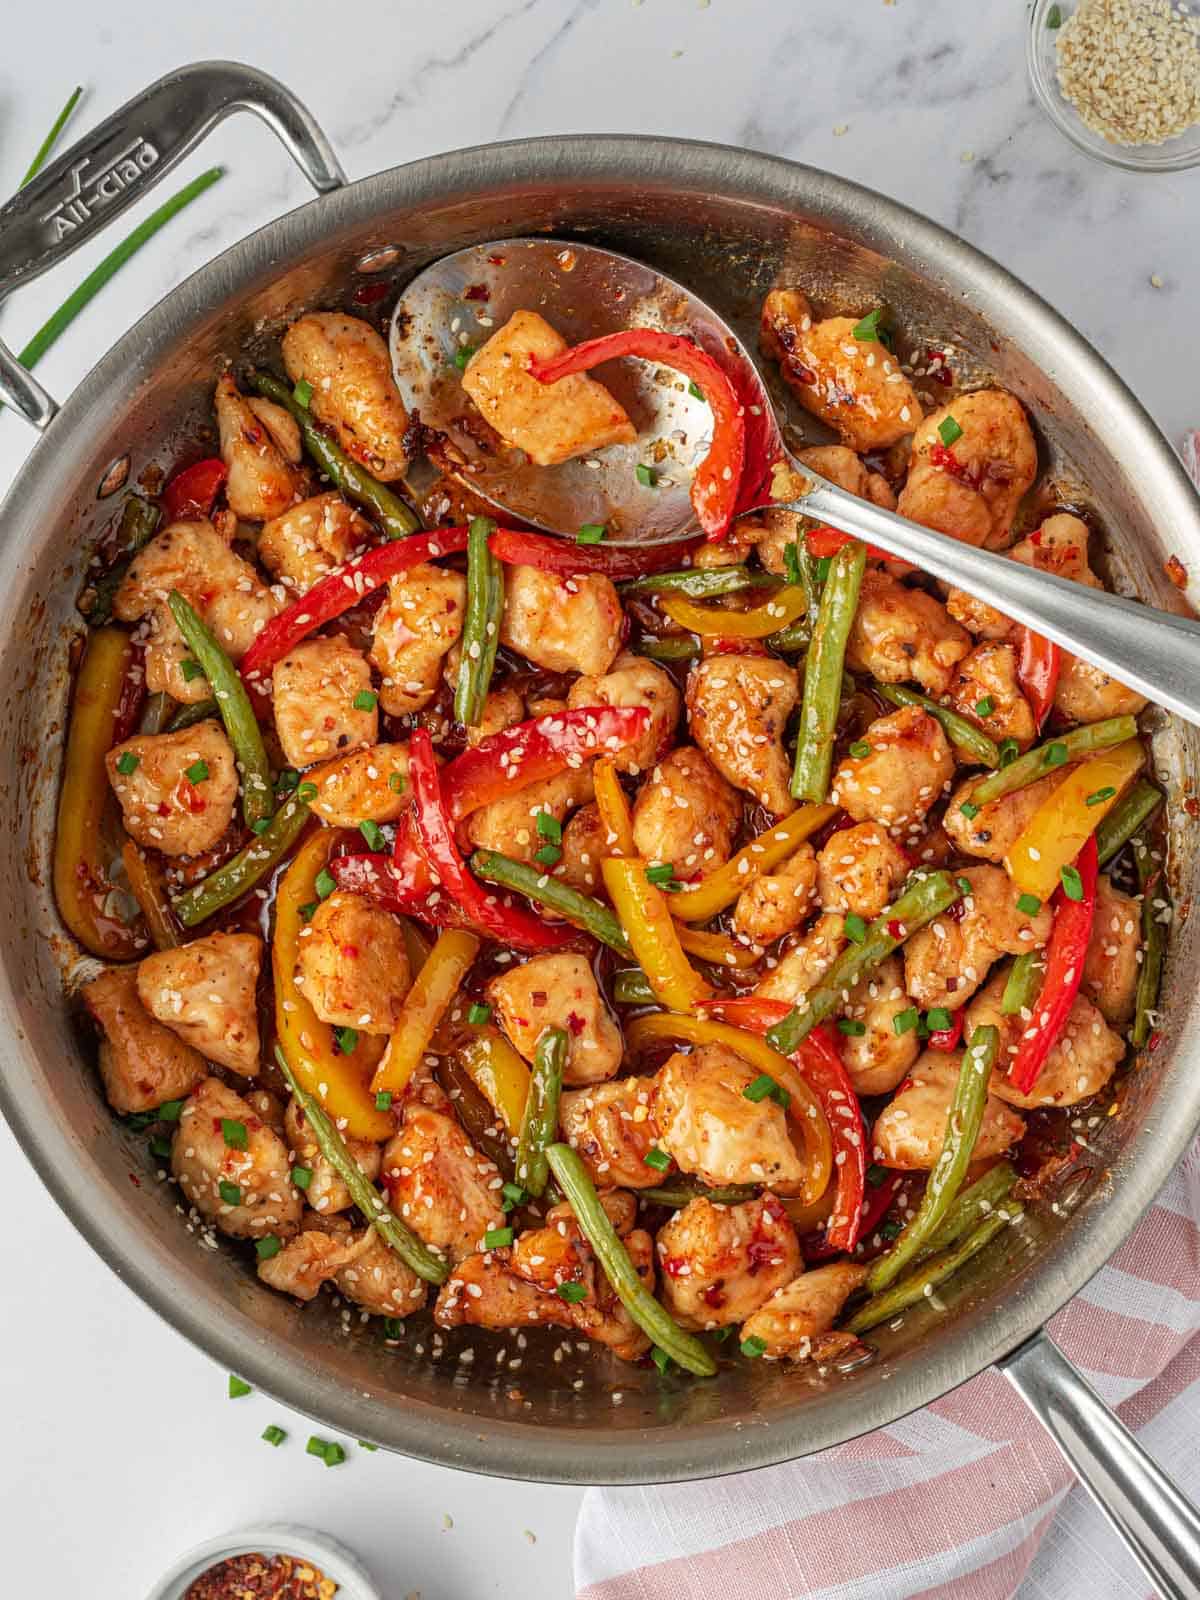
(121, 1448)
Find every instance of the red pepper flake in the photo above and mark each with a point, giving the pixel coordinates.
(714, 1296)
(367, 294)
(674, 1266)
(497, 261)
(1192, 806)
(576, 1023)
(259, 1577)
(1155, 1039)
(1176, 571)
(538, 997)
(477, 291)
(895, 928)
(942, 456)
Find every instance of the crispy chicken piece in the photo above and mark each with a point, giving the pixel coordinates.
(368, 784)
(327, 1193)
(903, 635)
(970, 488)
(375, 1278)
(1059, 546)
(308, 1260)
(860, 870)
(708, 1126)
(1110, 972)
(304, 543)
(246, 1192)
(807, 961)
(721, 1263)
(354, 964)
(262, 481)
(1087, 694)
(510, 825)
(777, 902)
(445, 1189)
(225, 591)
(995, 827)
(795, 1322)
(177, 790)
(141, 1062)
(563, 624)
(415, 628)
(687, 814)
(909, 1132)
(878, 1059)
(585, 843)
(738, 706)
(353, 392)
(205, 992)
(841, 466)
(987, 679)
(908, 767)
(950, 957)
(559, 991)
(609, 1125)
(484, 1292)
(324, 703)
(1080, 1063)
(549, 422)
(633, 681)
(854, 385)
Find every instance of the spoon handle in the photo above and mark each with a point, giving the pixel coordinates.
(1155, 652)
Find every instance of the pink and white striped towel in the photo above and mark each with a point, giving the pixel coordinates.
(966, 1500)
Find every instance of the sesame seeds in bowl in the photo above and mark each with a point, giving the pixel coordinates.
(1120, 78)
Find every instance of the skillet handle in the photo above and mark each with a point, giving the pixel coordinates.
(114, 165)
(1158, 1524)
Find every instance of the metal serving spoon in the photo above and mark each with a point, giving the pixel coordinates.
(453, 307)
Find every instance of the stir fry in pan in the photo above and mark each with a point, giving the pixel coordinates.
(673, 945)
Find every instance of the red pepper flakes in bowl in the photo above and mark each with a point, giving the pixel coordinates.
(259, 1577)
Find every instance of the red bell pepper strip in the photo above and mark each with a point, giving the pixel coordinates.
(553, 554)
(947, 1038)
(1038, 662)
(715, 486)
(875, 1207)
(821, 1067)
(133, 697)
(343, 588)
(189, 495)
(378, 879)
(512, 926)
(1065, 957)
(825, 541)
(532, 751)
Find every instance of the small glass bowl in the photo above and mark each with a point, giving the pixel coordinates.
(1174, 155)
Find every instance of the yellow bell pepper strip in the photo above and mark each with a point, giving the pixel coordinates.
(397, 1235)
(146, 887)
(81, 885)
(613, 808)
(436, 985)
(416, 945)
(699, 902)
(499, 1074)
(784, 607)
(643, 912)
(1068, 816)
(718, 948)
(803, 1104)
(335, 1081)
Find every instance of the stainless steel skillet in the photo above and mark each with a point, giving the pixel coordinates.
(729, 223)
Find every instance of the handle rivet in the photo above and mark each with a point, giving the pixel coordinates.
(379, 260)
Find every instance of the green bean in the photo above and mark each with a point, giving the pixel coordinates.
(539, 1125)
(806, 575)
(631, 987)
(673, 647)
(971, 1207)
(398, 1235)
(1154, 948)
(233, 703)
(700, 583)
(242, 871)
(1139, 802)
(394, 515)
(678, 1195)
(139, 524)
(1048, 757)
(593, 916)
(1024, 984)
(652, 1318)
(823, 674)
(958, 1143)
(188, 716)
(972, 741)
(920, 902)
(481, 625)
(794, 637)
(919, 1285)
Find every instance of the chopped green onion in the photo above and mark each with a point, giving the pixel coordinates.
(1009, 751)
(308, 910)
(696, 392)
(572, 1293)
(160, 1148)
(1099, 796)
(393, 1327)
(985, 707)
(860, 750)
(190, 669)
(868, 328)
(905, 1020)
(462, 356)
(365, 700)
(1054, 17)
(512, 1195)
(238, 1387)
(1056, 754)
(170, 1110)
(549, 827)
(1029, 904)
(478, 1013)
(1072, 883)
(823, 566)
(268, 1247)
(231, 1193)
(234, 1133)
(548, 856)
(373, 834)
(662, 874)
(346, 1039)
(274, 1434)
(646, 476)
(939, 1020)
(307, 792)
(851, 1028)
(395, 783)
(968, 810)
(127, 762)
(876, 1175)
(658, 1159)
(302, 1177)
(753, 1347)
(791, 564)
(262, 825)
(891, 1229)
(497, 1238)
(855, 928)
(365, 1444)
(660, 1359)
(590, 533)
(764, 1087)
(302, 394)
(949, 431)
(325, 883)
(287, 781)
(383, 1100)
(964, 885)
